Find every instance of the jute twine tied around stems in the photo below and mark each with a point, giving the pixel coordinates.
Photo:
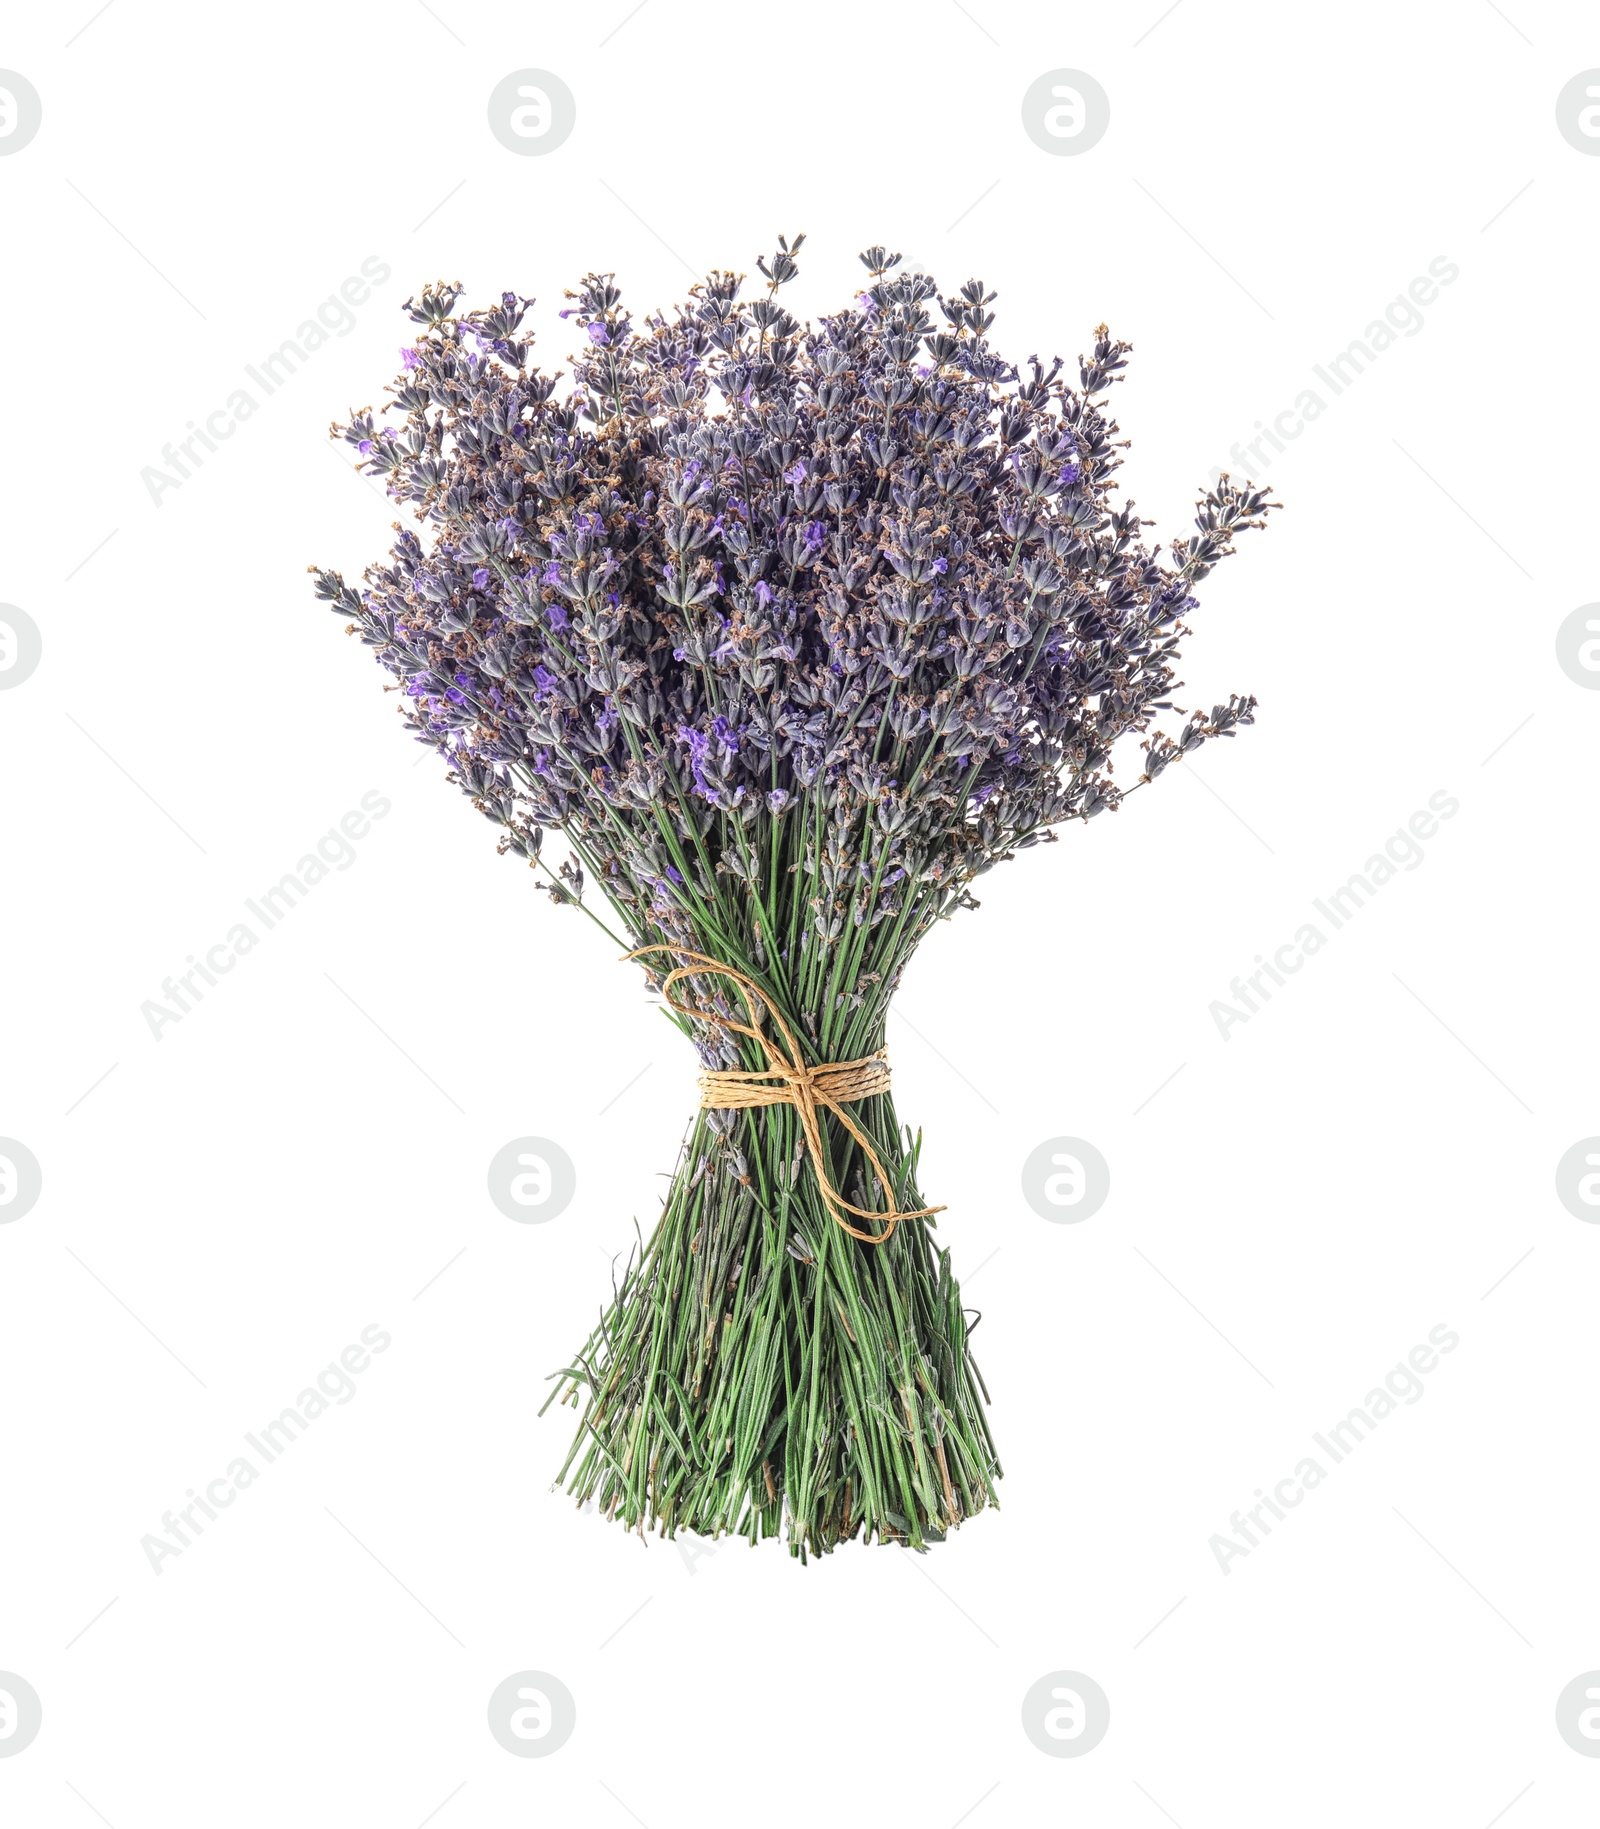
(808, 1089)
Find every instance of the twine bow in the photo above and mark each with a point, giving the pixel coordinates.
(806, 1088)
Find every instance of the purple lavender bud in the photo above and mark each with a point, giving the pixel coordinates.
(947, 617)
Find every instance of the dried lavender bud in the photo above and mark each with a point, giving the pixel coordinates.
(792, 632)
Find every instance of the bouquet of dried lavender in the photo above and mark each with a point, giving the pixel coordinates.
(790, 633)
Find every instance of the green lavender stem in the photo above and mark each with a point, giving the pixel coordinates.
(760, 1373)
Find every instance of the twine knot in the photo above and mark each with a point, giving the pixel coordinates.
(787, 1079)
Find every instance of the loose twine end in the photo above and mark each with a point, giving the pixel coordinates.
(809, 1089)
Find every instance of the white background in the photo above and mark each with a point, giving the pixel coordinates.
(1368, 1157)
